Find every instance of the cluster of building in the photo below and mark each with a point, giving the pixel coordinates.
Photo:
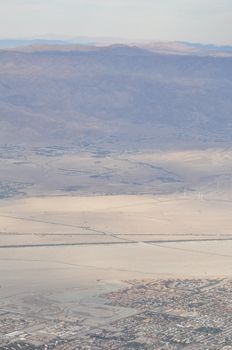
(169, 315)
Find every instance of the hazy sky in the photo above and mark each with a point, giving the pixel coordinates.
(191, 20)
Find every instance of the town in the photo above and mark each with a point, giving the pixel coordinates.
(193, 314)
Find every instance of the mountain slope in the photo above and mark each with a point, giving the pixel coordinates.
(116, 94)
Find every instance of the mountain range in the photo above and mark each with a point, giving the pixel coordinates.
(119, 95)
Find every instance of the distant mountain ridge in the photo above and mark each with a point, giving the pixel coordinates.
(15, 43)
(163, 46)
(122, 96)
(209, 47)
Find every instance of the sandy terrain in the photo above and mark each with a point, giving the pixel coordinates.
(121, 216)
(54, 257)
